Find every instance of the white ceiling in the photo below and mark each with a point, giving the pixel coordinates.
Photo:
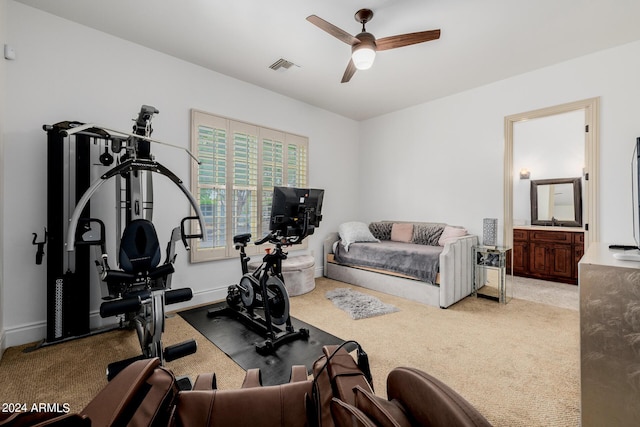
(481, 42)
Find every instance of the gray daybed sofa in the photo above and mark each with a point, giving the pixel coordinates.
(426, 262)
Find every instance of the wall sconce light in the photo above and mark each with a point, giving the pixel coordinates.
(525, 174)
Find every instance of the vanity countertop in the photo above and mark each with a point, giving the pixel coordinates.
(548, 228)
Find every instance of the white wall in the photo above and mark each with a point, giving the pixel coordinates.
(548, 147)
(443, 160)
(3, 40)
(438, 161)
(65, 71)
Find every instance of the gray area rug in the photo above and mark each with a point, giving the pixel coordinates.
(357, 304)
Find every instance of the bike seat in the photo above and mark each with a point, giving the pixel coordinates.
(242, 238)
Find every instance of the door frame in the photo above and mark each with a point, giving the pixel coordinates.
(591, 107)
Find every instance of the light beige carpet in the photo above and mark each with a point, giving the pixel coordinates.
(552, 293)
(517, 363)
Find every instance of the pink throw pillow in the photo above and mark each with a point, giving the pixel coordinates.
(402, 232)
(450, 234)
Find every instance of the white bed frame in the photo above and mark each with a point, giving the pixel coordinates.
(455, 277)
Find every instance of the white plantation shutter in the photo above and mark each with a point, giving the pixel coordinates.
(240, 164)
(273, 172)
(297, 161)
(244, 179)
(210, 137)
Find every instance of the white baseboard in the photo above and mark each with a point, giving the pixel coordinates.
(26, 333)
(2, 343)
(37, 331)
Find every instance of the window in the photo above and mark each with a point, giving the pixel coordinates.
(240, 164)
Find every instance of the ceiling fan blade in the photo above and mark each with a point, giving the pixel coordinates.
(336, 32)
(407, 39)
(349, 72)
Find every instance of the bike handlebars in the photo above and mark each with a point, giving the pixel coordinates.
(268, 238)
(277, 239)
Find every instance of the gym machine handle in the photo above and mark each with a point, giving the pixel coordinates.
(177, 351)
(174, 296)
(121, 306)
(186, 236)
(85, 235)
(162, 271)
(127, 166)
(40, 252)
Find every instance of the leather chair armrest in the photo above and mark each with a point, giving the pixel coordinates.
(298, 373)
(205, 382)
(429, 401)
(345, 415)
(345, 374)
(121, 396)
(253, 378)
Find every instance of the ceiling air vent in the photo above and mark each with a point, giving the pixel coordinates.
(282, 63)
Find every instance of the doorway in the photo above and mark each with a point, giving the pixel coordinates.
(590, 107)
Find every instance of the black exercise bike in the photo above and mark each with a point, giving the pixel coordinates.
(263, 289)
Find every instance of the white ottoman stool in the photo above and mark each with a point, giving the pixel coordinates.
(298, 273)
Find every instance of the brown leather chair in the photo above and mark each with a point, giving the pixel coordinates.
(252, 405)
(414, 398)
(142, 394)
(145, 394)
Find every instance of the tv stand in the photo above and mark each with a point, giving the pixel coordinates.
(608, 296)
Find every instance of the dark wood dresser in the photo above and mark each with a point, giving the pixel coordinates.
(548, 253)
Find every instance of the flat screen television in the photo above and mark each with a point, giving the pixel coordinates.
(295, 212)
(634, 254)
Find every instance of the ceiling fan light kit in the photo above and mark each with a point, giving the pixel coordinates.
(364, 53)
(364, 45)
(363, 57)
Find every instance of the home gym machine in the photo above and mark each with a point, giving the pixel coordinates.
(295, 213)
(138, 290)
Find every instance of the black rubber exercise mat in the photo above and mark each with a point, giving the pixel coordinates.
(239, 343)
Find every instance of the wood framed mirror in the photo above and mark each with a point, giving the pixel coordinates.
(556, 202)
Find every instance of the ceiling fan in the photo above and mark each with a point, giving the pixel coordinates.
(365, 45)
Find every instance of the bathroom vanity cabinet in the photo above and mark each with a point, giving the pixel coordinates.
(548, 253)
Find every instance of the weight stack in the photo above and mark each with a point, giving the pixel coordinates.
(68, 273)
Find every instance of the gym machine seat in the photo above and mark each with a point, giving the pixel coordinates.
(139, 291)
(138, 258)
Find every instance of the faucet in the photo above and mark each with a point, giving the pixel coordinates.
(554, 221)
